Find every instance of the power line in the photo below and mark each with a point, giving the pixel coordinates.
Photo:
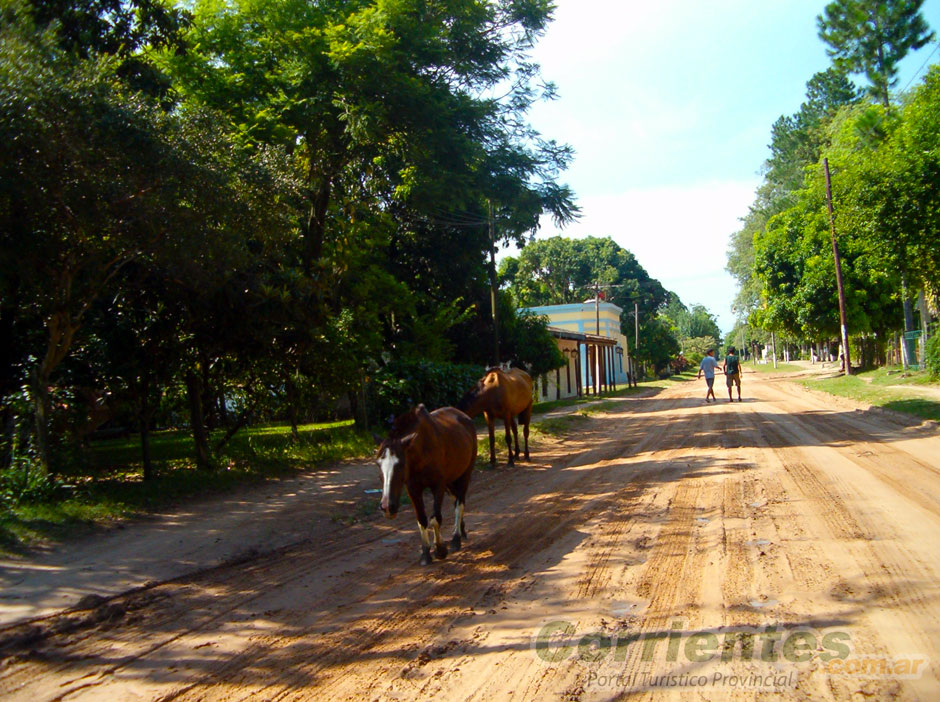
(914, 77)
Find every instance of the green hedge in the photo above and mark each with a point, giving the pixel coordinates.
(401, 385)
(932, 359)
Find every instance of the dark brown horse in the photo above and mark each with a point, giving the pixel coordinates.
(433, 450)
(504, 395)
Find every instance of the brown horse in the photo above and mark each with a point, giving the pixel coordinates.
(433, 450)
(505, 395)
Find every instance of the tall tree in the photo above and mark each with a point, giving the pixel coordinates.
(796, 144)
(559, 270)
(386, 103)
(872, 36)
(93, 178)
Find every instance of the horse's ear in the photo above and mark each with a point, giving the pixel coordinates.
(406, 440)
(377, 438)
(422, 411)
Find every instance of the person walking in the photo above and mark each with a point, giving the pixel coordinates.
(708, 366)
(732, 368)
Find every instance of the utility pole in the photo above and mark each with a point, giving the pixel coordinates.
(835, 254)
(631, 367)
(492, 227)
(636, 332)
(597, 308)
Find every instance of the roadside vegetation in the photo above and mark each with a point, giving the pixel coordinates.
(880, 141)
(911, 392)
(106, 484)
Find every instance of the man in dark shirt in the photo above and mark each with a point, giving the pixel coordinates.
(732, 368)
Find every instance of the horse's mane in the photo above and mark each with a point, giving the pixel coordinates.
(404, 423)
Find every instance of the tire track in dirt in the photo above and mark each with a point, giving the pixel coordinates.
(622, 497)
(502, 549)
(658, 512)
(890, 576)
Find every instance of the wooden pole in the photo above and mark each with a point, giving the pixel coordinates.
(493, 287)
(835, 254)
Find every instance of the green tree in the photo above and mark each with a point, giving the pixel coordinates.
(872, 36)
(558, 270)
(94, 178)
(383, 101)
(388, 108)
(659, 344)
(528, 342)
(796, 144)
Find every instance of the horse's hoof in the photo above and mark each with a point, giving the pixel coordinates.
(527, 455)
(425, 557)
(440, 552)
(455, 543)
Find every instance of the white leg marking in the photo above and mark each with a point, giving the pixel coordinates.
(458, 518)
(437, 531)
(425, 535)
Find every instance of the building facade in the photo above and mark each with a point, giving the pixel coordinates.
(589, 335)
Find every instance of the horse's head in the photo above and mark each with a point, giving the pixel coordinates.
(392, 458)
(470, 402)
(393, 464)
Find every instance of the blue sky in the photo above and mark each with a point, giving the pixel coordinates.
(669, 107)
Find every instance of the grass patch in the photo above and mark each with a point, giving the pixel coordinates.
(559, 426)
(877, 395)
(896, 375)
(769, 367)
(105, 483)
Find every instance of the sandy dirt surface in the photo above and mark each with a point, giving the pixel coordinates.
(787, 546)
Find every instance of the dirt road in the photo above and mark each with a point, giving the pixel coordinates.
(786, 545)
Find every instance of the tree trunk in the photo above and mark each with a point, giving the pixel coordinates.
(316, 220)
(291, 389)
(208, 396)
(197, 421)
(240, 422)
(40, 398)
(908, 344)
(144, 425)
(61, 330)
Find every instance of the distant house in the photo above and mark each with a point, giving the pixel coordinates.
(589, 335)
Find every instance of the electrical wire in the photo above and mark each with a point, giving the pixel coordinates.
(914, 77)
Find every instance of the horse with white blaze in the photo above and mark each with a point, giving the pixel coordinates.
(429, 450)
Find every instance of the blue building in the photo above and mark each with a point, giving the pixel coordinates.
(589, 335)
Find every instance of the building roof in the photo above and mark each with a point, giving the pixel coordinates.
(586, 306)
(582, 337)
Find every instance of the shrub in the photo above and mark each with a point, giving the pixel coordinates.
(932, 358)
(401, 385)
(23, 480)
(681, 363)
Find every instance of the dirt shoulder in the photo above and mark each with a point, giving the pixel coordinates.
(660, 535)
(202, 534)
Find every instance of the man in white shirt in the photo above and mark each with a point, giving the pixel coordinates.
(708, 367)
